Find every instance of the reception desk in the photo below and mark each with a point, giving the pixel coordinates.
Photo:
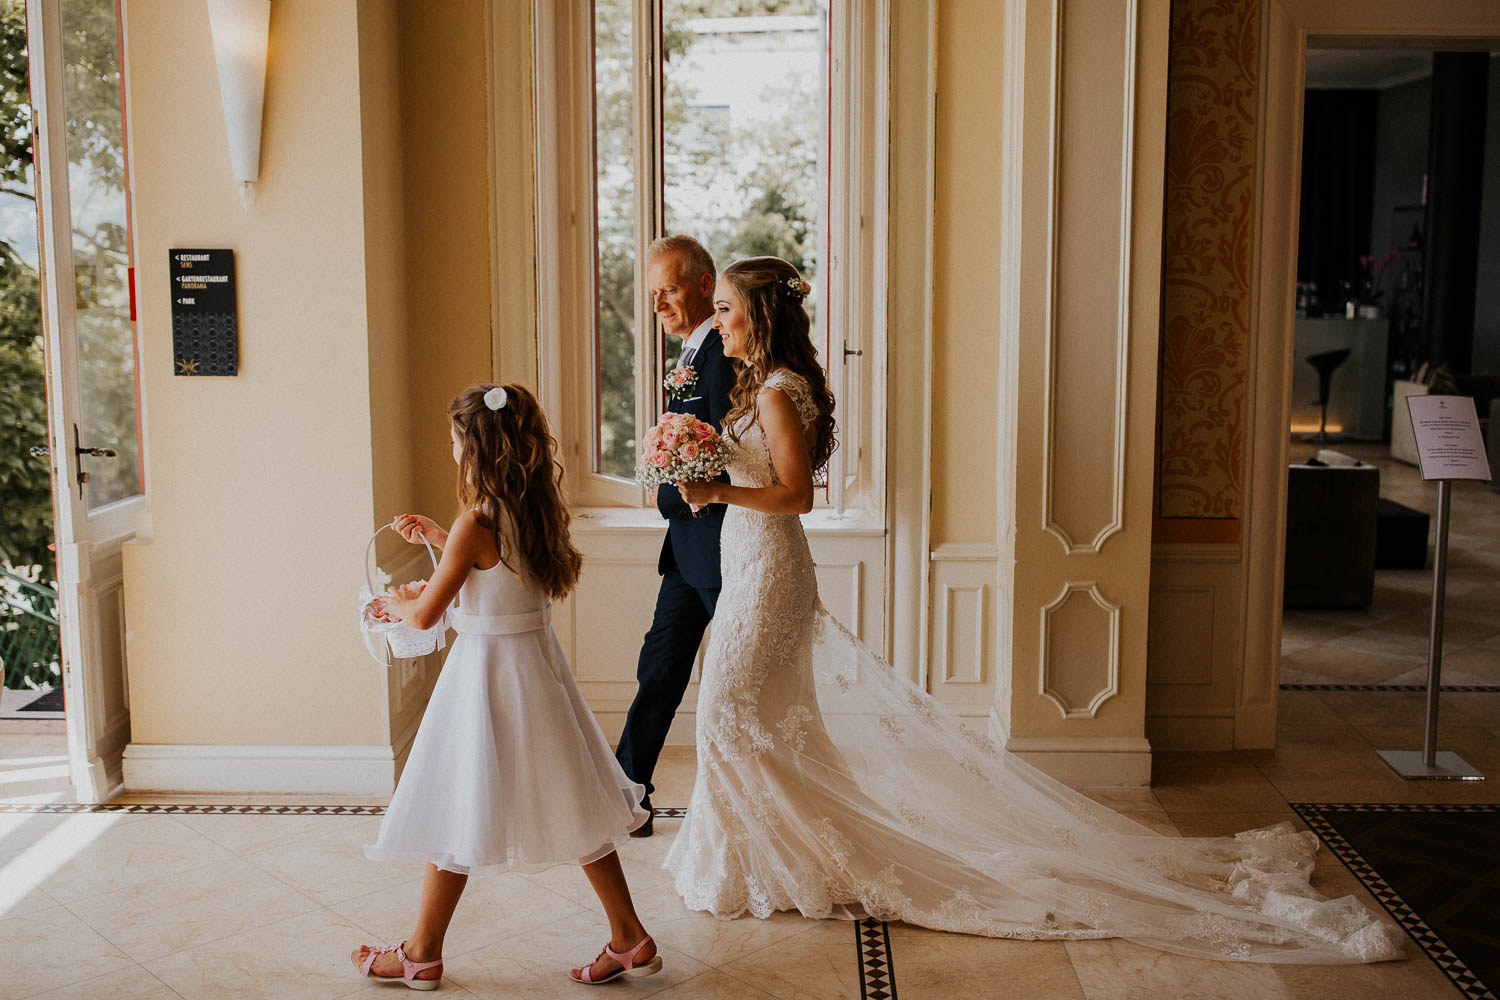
(1356, 397)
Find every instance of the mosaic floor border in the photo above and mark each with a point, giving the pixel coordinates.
(1455, 688)
(1315, 815)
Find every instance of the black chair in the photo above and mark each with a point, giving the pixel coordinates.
(1325, 363)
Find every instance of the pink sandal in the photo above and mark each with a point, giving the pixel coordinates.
(409, 969)
(627, 965)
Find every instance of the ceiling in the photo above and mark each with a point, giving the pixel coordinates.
(1364, 69)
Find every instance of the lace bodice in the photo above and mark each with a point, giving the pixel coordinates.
(750, 452)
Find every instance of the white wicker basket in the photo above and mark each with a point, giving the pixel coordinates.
(391, 641)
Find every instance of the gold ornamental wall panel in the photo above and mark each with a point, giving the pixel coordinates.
(1206, 264)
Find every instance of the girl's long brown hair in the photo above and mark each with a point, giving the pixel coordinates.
(508, 471)
(779, 336)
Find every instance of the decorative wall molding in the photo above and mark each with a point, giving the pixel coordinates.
(1051, 680)
(1081, 761)
(265, 769)
(1055, 384)
(963, 591)
(908, 417)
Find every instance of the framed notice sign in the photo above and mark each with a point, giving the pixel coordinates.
(205, 327)
(1449, 445)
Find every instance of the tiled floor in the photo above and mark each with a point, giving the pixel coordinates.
(137, 906)
(1386, 643)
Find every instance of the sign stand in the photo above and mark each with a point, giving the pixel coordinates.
(1450, 447)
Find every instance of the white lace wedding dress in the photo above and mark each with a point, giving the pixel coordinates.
(829, 785)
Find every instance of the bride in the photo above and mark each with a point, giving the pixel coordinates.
(829, 785)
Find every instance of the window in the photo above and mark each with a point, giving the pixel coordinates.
(725, 120)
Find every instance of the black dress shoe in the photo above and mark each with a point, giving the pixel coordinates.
(644, 830)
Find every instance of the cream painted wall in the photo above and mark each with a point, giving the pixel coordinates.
(391, 405)
(238, 593)
(966, 263)
(446, 190)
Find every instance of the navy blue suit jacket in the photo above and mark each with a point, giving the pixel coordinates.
(692, 543)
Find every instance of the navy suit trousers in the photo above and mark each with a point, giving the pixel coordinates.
(682, 613)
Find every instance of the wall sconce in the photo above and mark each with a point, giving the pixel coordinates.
(242, 30)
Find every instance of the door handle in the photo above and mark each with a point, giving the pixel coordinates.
(78, 452)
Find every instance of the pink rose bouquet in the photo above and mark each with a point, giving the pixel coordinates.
(680, 448)
(680, 382)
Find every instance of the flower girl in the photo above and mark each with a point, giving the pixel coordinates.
(509, 768)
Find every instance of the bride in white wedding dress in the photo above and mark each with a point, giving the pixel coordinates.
(829, 785)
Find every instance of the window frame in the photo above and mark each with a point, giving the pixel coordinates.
(853, 258)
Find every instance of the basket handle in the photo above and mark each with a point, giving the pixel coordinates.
(370, 550)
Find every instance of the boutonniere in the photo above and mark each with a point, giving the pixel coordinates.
(680, 382)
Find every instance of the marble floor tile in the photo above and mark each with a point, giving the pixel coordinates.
(59, 949)
(1338, 664)
(332, 867)
(450, 990)
(1299, 761)
(1214, 789)
(641, 857)
(712, 941)
(247, 834)
(818, 965)
(932, 965)
(96, 853)
(1114, 969)
(492, 909)
(1458, 632)
(1480, 662)
(166, 915)
(1375, 708)
(1227, 824)
(673, 777)
(535, 965)
(133, 983)
(1122, 799)
(1388, 787)
(714, 986)
(304, 958)
(1415, 978)
(1167, 760)
(1384, 644)
(1303, 710)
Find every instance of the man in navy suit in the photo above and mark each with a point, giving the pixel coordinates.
(680, 277)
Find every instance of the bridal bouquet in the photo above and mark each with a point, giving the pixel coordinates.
(680, 448)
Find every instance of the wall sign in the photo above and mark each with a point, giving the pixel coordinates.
(205, 327)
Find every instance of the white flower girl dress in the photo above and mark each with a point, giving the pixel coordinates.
(509, 768)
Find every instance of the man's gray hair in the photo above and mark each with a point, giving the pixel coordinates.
(696, 260)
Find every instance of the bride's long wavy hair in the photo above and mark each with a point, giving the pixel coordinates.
(779, 335)
(508, 472)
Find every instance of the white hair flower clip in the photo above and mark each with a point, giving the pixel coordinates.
(797, 288)
(496, 397)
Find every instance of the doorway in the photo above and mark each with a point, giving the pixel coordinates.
(1289, 29)
(30, 651)
(65, 58)
(1398, 218)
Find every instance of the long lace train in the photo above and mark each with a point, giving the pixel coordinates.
(828, 784)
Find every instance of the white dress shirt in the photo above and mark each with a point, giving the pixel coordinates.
(696, 339)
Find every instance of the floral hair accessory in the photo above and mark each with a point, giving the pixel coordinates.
(495, 398)
(797, 288)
